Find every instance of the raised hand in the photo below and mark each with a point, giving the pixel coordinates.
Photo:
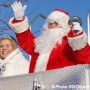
(76, 28)
(18, 10)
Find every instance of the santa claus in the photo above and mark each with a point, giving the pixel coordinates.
(57, 47)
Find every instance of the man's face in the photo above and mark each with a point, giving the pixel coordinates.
(5, 48)
(52, 25)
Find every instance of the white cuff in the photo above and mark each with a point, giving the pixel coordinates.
(20, 26)
(78, 42)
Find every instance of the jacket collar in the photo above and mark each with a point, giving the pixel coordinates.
(11, 55)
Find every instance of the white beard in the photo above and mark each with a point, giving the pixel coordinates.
(49, 39)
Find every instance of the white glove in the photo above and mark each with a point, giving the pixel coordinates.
(76, 27)
(18, 10)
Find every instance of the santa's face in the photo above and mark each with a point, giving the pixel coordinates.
(54, 25)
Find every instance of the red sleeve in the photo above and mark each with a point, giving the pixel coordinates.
(17, 21)
(26, 41)
(70, 34)
(82, 56)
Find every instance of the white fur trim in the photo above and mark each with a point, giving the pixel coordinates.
(60, 17)
(78, 42)
(42, 61)
(20, 26)
(54, 16)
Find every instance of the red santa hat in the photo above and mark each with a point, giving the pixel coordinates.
(59, 16)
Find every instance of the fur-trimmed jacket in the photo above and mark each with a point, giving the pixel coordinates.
(73, 50)
(14, 64)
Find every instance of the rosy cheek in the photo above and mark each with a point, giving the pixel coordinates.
(49, 26)
(0, 50)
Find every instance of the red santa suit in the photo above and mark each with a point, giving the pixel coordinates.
(73, 49)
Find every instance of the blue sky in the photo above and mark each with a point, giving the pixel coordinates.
(74, 7)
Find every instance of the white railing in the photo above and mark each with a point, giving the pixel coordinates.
(68, 78)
